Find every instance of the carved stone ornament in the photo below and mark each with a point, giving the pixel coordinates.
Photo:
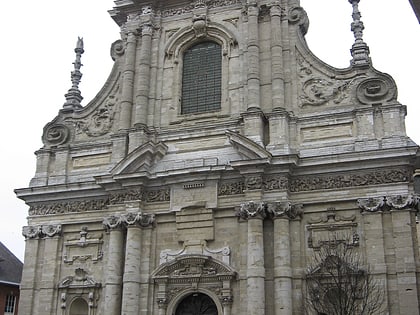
(252, 209)
(231, 188)
(297, 15)
(138, 218)
(41, 231)
(253, 182)
(198, 4)
(117, 49)
(193, 271)
(68, 207)
(200, 25)
(376, 90)
(112, 222)
(100, 123)
(317, 91)
(56, 134)
(284, 210)
(83, 248)
(397, 202)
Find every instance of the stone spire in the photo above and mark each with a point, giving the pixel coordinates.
(73, 96)
(359, 50)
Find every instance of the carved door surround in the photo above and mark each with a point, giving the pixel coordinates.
(187, 275)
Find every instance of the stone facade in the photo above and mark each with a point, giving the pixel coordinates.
(135, 207)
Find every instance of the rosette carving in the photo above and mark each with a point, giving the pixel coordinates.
(375, 90)
(56, 134)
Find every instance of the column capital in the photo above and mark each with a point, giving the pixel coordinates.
(32, 231)
(252, 210)
(138, 219)
(112, 222)
(389, 203)
(284, 210)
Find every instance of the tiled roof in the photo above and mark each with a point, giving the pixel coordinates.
(10, 266)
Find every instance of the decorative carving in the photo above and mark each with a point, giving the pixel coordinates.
(189, 8)
(317, 91)
(332, 228)
(51, 230)
(253, 182)
(200, 25)
(138, 218)
(297, 15)
(40, 231)
(397, 202)
(264, 13)
(277, 182)
(56, 134)
(232, 188)
(131, 195)
(68, 207)
(117, 49)
(81, 279)
(32, 231)
(284, 210)
(252, 209)
(375, 177)
(158, 195)
(83, 248)
(100, 122)
(375, 90)
(112, 222)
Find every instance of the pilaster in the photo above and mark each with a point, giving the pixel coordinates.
(114, 267)
(277, 69)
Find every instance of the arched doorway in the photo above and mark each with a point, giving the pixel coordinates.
(79, 307)
(196, 304)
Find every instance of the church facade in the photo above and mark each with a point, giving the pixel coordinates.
(216, 160)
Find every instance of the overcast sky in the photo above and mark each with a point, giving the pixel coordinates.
(38, 40)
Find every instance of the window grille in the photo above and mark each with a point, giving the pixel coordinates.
(9, 307)
(201, 78)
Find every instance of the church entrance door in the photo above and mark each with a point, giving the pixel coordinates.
(196, 304)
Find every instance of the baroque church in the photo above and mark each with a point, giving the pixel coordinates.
(218, 157)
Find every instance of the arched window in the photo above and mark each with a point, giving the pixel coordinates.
(79, 307)
(201, 78)
(196, 304)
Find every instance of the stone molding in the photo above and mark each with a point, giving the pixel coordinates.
(389, 203)
(41, 231)
(83, 248)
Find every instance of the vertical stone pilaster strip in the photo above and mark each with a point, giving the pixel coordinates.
(30, 270)
(131, 278)
(404, 232)
(277, 75)
(255, 267)
(47, 292)
(114, 266)
(142, 94)
(128, 82)
(253, 57)
(282, 267)
(255, 212)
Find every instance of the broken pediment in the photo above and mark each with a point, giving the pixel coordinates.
(247, 148)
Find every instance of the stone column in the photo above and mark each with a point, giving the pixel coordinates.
(47, 299)
(114, 266)
(253, 77)
(255, 214)
(30, 270)
(281, 213)
(132, 269)
(277, 71)
(142, 93)
(128, 82)
(279, 131)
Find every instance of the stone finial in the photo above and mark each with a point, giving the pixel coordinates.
(359, 50)
(73, 96)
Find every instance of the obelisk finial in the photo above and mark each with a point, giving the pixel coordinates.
(73, 96)
(359, 50)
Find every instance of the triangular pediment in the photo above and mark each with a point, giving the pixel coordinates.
(141, 159)
(247, 149)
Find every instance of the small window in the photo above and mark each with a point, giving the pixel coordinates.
(201, 78)
(9, 307)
